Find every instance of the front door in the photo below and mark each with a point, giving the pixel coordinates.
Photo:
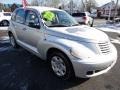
(33, 32)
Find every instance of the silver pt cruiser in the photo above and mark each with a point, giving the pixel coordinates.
(70, 48)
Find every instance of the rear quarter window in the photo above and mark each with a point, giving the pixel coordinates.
(19, 16)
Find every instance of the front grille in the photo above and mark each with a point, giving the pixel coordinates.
(104, 47)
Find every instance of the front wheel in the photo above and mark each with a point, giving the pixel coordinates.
(61, 65)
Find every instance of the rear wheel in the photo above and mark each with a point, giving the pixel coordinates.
(13, 41)
(61, 65)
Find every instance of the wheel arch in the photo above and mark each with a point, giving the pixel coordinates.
(51, 50)
(5, 20)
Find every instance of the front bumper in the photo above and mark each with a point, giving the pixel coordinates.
(101, 65)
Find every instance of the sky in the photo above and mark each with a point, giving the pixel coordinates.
(100, 2)
(12, 1)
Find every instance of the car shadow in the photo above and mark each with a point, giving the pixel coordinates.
(46, 80)
(21, 70)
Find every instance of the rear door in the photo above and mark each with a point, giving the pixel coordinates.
(17, 23)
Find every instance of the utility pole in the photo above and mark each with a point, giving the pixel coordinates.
(115, 10)
(110, 10)
(71, 7)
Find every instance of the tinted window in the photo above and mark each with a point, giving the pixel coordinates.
(78, 14)
(20, 16)
(7, 14)
(32, 19)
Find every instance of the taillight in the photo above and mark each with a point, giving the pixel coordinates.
(85, 18)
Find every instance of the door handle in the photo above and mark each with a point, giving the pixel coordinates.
(24, 29)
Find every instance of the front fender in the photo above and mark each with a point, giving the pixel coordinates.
(45, 45)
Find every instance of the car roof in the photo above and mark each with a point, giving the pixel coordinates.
(42, 8)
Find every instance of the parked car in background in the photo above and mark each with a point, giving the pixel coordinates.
(83, 18)
(70, 48)
(5, 18)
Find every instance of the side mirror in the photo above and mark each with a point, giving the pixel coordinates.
(34, 25)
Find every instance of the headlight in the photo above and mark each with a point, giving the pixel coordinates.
(75, 53)
(82, 53)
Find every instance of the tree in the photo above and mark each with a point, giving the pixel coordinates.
(89, 4)
(35, 3)
(55, 3)
(1, 6)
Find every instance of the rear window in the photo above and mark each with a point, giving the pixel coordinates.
(78, 14)
(7, 14)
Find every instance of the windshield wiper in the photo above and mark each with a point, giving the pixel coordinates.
(58, 25)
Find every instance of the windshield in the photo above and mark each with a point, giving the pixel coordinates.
(58, 19)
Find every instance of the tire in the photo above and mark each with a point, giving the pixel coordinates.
(13, 41)
(61, 65)
(5, 23)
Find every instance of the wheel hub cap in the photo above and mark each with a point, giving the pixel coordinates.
(58, 66)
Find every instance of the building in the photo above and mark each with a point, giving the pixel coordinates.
(107, 10)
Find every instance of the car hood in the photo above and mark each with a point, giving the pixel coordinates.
(79, 33)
